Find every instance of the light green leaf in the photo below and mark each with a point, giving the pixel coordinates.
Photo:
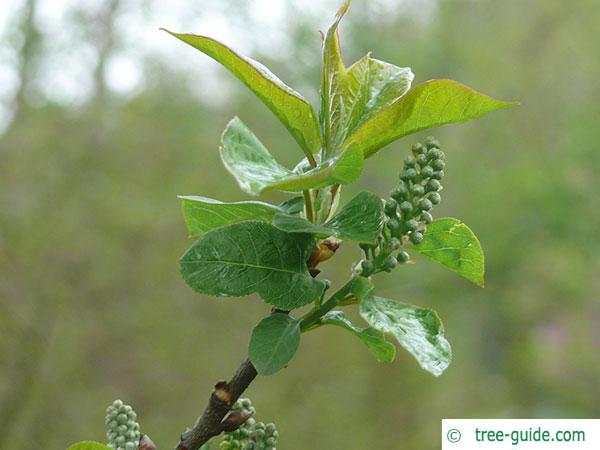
(372, 338)
(203, 214)
(257, 171)
(418, 330)
(360, 220)
(293, 206)
(349, 96)
(274, 342)
(450, 242)
(89, 445)
(249, 257)
(431, 104)
(293, 110)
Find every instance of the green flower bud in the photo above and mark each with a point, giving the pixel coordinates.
(271, 442)
(438, 164)
(390, 206)
(260, 425)
(435, 198)
(416, 237)
(426, 217)
(224, 445)
(130, 446)
(422, 160)
(412, 225)
(406, 207)
(438, 175)
(418, 149)
(427, 172)
(435, 153)
(403, 257)
(425, 204)
(431, 142)
(389, 263)
(367, 268)
(417, 190)
(270, 429)
(408, 174)
(394, 244)
(248, 446)
(410, 161)
(235, 444)
(433, 185)
(393, 224)
(259, 433)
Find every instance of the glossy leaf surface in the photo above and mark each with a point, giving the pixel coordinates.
(418, 330)
(256, 170)
(89, 445)
(451, 243)
(274, 342)
(293, 110)
(253, 257)
(431, 104)
(360, 220)
(203, 214)
(372, 338)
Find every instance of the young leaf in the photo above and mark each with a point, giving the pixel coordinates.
(203, 214)
(360, 220)
(89, 445)
(249, 257)
(293, 206)
(418, 330)
(293, 110)
(450, 242)
(274, 342)
(257, 171)
(372, 338)
(349, 96)
(431, 104)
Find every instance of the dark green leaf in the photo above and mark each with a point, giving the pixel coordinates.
(349, 96)
(249, 257)
(293, 206)
(293, 110)
(450, 242)
(274, 342)
(372, 338)
(360, 220)
(203, 214)
(431, 104)
(418, 330)
(89, 445)
(257, 171)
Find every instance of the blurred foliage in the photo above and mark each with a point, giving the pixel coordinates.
(92, 307)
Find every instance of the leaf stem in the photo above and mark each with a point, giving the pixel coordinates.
(308, 206)
(311, 319)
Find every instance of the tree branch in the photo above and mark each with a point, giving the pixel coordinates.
(224, 395)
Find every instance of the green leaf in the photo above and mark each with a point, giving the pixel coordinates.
(372, 338)
(418, 330)
(450, 242)
(257, 171)
(274, 342)
(431, 104)
(360, 220)
(293, 110)
(89, 445)
(249, 257)
(349, 96)
(203, 214)
(293, 206)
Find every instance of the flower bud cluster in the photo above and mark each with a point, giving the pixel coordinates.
(408, 210)
(252, 435)
(123, 430)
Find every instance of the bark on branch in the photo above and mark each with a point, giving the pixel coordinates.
(224, 395)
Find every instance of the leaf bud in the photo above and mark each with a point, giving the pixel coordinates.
(425, 204)
(435, 198)
(416, 237)
(427, 172)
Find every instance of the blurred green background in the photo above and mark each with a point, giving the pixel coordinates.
(105, 120)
